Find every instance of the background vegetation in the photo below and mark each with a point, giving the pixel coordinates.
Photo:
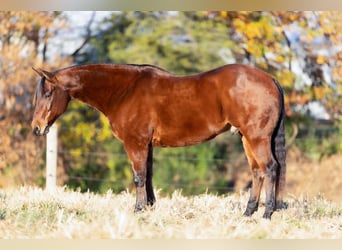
(301, 49)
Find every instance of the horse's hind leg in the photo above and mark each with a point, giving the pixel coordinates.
(257, 180)
(270, 182)
(260, 149)
(149, 174)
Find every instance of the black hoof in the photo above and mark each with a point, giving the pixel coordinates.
(150, 202)
(139, 209)
(282, 205)
(249, 212)
(267, 215)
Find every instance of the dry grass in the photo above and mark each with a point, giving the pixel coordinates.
(304, 176)
(312, 178)
(34, 213)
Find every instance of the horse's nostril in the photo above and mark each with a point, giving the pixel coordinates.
(36, 130)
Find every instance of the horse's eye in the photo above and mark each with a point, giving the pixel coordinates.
(48, 94)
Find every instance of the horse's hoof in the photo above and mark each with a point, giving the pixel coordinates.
(150, 202)
(248, 212)
(139, 209)
(267, 215)
(282, 205)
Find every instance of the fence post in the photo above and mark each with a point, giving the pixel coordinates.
(51, 158)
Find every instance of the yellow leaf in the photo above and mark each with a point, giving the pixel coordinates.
(286, 78)
(320, 92)
(320, 59)
(239, 24)
(253, 48)
(253, 30)
(223, 14)
(280, 59)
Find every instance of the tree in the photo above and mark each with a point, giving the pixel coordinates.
(300, 48)
(175, 42)
(303, 51)
(23, 43)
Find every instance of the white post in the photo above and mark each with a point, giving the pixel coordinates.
(51, 158)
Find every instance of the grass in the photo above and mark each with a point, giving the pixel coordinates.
(31, 212)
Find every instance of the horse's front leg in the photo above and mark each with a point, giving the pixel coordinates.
(138, 155)
(149, 174)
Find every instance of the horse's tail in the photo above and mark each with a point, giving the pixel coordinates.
(279, 150)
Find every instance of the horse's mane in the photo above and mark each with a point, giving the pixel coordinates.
(39, 90)
(138, 66)
(147, 66)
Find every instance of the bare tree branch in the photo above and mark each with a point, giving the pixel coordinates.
(87, 36)
(288, 42)
(291, 140)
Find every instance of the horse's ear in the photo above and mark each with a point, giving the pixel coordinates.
(43, 73)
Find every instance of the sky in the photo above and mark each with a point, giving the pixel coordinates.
(69, 39)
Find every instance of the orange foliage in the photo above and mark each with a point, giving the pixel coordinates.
(22, 35)
(263, 38)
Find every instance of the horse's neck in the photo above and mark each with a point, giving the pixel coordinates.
(103, 88)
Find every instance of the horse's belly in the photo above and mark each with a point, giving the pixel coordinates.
(175, 137)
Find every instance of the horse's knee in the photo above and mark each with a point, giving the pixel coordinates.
(139, 180)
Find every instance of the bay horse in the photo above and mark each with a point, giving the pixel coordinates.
(149, 107)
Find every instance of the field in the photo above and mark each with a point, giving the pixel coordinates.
(31, 212)
(313, 196)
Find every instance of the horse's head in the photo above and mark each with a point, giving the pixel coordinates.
(50, 101)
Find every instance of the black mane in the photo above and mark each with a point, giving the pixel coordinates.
(39, 90)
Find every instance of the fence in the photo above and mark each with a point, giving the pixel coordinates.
(52, 158)
(52, 155)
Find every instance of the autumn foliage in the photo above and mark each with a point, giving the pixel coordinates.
(301, 49)
(23, 44)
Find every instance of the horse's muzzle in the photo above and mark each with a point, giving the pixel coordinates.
(37, 131)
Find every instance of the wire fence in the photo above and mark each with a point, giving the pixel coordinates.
(160, 158)
(129, 182)
(194, 186)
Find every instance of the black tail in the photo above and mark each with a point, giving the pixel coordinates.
(279, 150)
